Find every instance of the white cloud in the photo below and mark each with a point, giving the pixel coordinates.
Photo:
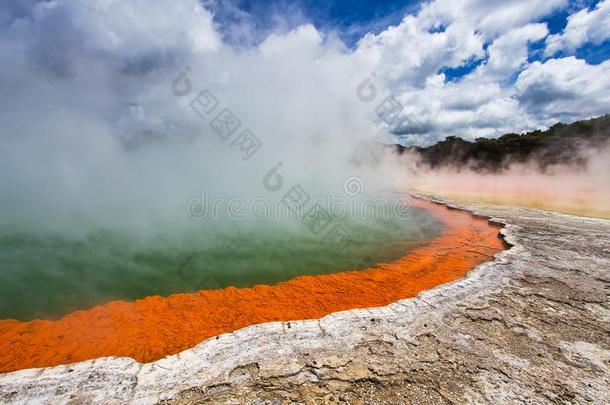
(305, 39)
(409, 53)
(491, 18)
(510, 51)
(566, 88)
(583, 27)
(485, 102)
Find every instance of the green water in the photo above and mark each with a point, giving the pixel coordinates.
(47, 275)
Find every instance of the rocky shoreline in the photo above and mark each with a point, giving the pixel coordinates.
(532, 326)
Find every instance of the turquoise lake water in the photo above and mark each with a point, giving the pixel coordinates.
(49, 275)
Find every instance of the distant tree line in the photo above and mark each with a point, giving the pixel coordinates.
(562, 144)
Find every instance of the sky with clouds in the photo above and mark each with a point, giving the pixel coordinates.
(469, 68)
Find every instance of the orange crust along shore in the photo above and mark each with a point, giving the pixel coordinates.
(154, 327)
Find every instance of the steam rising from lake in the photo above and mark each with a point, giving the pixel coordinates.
(101, 151)
(95, 136)
(572, 189)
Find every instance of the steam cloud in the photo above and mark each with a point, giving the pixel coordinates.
(571, 188)
(94, 136)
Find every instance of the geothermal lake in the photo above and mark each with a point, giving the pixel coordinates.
(48, 274)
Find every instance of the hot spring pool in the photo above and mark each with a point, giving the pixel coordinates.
(49, 275)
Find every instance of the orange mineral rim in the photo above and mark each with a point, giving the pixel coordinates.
(154, 327)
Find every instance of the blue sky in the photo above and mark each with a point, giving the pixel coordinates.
(351, 20)
(471, 68)
(557, 21)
